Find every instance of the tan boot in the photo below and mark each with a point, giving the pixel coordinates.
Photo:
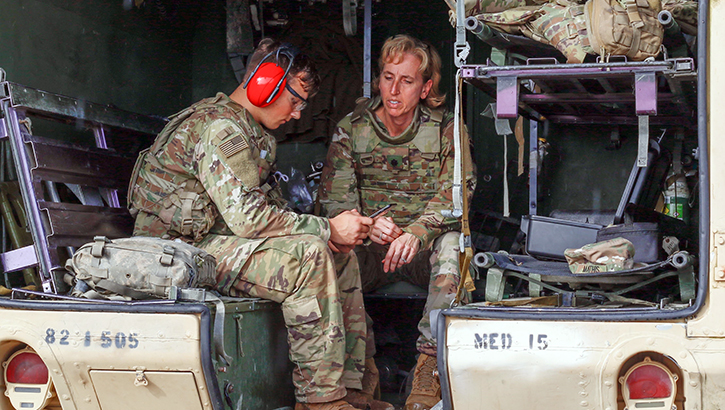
(365, 398)
(426, 391)
(333, 405)
(364, 401)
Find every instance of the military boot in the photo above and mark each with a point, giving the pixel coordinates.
(426, 384)
(365, 397)
(333, 405)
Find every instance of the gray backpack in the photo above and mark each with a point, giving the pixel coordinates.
(139, 268)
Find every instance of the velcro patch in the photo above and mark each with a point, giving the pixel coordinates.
(233, 146)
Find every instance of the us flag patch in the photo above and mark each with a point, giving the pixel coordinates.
(233, 146)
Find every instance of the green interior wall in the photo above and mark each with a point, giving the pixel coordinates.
(96, 50)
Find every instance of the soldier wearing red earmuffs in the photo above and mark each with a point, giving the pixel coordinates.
(208, 179)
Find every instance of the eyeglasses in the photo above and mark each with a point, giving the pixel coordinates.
(300, 105)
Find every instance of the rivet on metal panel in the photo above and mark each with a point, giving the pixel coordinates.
(584, 404)
(721, 240)
(66, 397)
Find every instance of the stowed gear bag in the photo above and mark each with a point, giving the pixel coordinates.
(624, 27)
(577, 28)
(139, 267)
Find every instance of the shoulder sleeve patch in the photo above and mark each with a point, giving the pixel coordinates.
(233, 146)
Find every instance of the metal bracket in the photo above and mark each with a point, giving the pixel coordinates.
(645, 93)
(462, 48)
(349, 17)
(18, 259)
(507, 97)
(643, 141)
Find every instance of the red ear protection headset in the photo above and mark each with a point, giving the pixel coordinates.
(268, 78)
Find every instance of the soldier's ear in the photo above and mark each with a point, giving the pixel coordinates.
(426, 89)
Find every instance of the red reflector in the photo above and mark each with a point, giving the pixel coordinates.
(649, 382)
(27, 368)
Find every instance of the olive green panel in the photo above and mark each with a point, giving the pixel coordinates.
(583, 171)
(97, 51)
(260, 377)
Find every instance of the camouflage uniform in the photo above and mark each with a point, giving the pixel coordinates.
(367, 169)
(204, 181)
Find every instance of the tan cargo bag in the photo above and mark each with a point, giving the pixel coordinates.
(627, 27)
(139, 268)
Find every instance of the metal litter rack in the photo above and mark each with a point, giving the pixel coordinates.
(621, 93)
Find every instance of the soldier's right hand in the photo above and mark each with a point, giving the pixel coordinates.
(337, 248)
(349, 228)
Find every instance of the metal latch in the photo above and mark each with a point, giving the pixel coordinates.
(140, 379)
(720, 253)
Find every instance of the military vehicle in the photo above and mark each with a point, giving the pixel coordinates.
(644, 336)
(606, 141)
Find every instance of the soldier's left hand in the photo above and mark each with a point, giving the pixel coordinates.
(401, 251)
(384, 230)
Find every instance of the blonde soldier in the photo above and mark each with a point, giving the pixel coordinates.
(398, 149)
(209, 180)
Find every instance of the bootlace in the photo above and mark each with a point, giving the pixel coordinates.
(426, 376)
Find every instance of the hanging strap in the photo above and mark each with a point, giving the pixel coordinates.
(464, 259)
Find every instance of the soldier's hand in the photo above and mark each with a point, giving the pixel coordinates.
(384, 230)
(349, 228)
(337, 248)
(401, 252)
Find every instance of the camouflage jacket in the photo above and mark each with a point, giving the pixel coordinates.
(208, 168)
(366, 169)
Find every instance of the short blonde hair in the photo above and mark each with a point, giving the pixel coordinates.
(430, 64)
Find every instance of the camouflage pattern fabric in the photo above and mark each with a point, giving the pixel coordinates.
(684, 12)
(366, 168)
(560, 23)
(323, 310)
(476, 7)
(563, 25)
(435, 269)
(223, 150)
(606, 256)
(263, 249)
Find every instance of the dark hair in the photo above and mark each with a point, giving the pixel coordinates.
(430, 64)
(302, 66)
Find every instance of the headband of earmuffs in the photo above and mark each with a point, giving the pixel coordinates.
(268, 78)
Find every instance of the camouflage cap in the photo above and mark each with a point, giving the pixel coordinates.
(606, 256)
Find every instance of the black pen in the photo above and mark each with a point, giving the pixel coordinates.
(381, 210)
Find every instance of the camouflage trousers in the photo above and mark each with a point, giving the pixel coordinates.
(435, 268)
(321, 301)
